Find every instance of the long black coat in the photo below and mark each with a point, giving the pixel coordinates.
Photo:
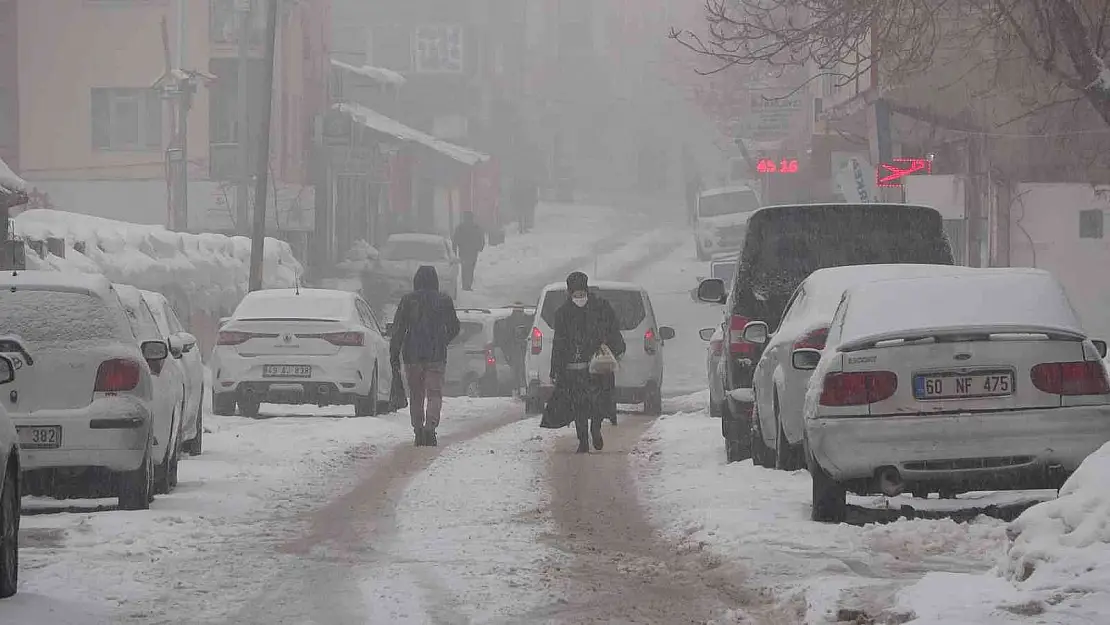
(579, 333)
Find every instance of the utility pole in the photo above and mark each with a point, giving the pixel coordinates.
(258, 236)
(242, 197)
(185, 101)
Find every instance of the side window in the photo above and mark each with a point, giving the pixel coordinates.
(796, 303)
(837, 325)
(171, 319)
(147, 319)
(367, 316)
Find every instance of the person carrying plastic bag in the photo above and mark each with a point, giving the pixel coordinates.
(586, 347)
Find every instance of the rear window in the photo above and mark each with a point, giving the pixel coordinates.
(727, 203)
(629, 306)
(429, 251)
(470, 333)
(787, 244)
(293, 307)
(57, 318)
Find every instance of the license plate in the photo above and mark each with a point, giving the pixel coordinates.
(42, 437)
(963, 385)
(287, 371)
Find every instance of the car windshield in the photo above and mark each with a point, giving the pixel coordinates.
(728, 203)
(426, 251)
(293, 307)
(629, 306)
(74, 317)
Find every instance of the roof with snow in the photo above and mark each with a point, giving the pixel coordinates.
(12, 187)
(57, 281)
(377, 74)
(389, 126)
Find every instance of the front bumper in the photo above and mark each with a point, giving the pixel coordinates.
(110, 433)
(988, 450)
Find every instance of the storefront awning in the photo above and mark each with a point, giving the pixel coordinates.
(385, 125)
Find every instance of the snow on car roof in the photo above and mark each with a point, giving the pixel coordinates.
(599, 284)
(741, 188)
(1021, 299)
(416, 237)
(57, 281)
(325, 304)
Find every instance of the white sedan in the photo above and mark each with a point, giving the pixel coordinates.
(952, 384)
(186, 355)
(9, 491)
(301, 346)
(403, 254)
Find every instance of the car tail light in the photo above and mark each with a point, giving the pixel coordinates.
(1070, 378)
(650, 344)
(715, 347)
(117, 376)
(230, 337)
(814, 339)
(737, 346)
(858, 388)
(537, 340)
(344, 339)
(491, 358)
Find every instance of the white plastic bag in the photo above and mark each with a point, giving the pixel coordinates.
(603, 362)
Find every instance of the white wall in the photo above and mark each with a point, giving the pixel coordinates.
(1044, 233)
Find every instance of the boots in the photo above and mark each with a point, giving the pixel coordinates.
(595, 431)
(418, 438)
(583, 446)
(430, 438)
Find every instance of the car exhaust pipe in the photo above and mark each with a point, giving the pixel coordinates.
(890, 482)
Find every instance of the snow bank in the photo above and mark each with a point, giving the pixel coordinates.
(211, 270)
(9, 180)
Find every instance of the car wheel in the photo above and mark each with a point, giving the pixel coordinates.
(195, 447)
(223, 404)
(829, 498)
(787, 457)
(136, 488)
(737, 434)
(250, 408)
(714, 409)
(762, 455)
(166, 475)
(9, 534)
(368, 406)
(653, 401)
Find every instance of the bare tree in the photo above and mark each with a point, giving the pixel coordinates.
(1067, 40)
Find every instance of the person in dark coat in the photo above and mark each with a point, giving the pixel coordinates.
(469, 241)
(581, 326)
(525, 196)
(423, 326)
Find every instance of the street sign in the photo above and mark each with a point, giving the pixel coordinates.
(890, 175)
(770, 119)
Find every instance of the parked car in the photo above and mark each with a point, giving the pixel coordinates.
(952, 384)
(403, 254)
(83, 402)
(639, 378)
(715, 339)
(301, 346)
(721, 219)
(477, 366)
(783, 245)
(169, 390)
(186, 355)
(10, 494)
(778, 387)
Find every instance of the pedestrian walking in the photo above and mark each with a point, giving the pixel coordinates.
(693, 190)
(469, 241)
(423, 326)
(524, 197)
(583, 326)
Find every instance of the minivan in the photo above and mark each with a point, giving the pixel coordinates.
(782, 246)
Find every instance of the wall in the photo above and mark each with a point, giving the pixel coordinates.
(1044, 233)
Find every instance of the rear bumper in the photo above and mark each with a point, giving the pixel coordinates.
(109, 433)
(987, 449)
(341, 373)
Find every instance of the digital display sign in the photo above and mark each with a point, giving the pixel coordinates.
(771, 166)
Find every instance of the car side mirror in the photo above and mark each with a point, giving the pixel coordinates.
(155, 351)
(11, 345)
(805, 359)
(7, 370)
(712, 291)
(706, 334)
(666, 333)
(1100, 346)
(756, 332)
(176, 346)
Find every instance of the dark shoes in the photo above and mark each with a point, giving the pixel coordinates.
(418, 440)
(599, 443)
(583, 447)
(424, 438)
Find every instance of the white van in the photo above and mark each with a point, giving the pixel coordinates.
(640, 375)
(721, 221)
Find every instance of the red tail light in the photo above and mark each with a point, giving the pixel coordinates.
(650, 345)
(491, 357)
(1070, 378)
(344, 339)
(715, 347)
(814, 339)
(858, 388)
(737, 346)
(232, 338)
(537, 340)
(117, 376)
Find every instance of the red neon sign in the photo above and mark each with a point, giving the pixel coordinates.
(900, 168)
(770, 166)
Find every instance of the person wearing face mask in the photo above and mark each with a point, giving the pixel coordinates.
(581, 326)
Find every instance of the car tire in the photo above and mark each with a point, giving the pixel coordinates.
(714, 409)
(737, 435)
(653, 401)
(249, 408)
(195, 447)
(829, 498)
(762, 455)
(136, 488)
(787, 457)
(165, 476)
(9, 533)
(368, 406)
(223, 404)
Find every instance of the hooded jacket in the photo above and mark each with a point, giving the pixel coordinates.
(469, 239)
(425, 322)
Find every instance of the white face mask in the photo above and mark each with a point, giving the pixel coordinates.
(579, 301)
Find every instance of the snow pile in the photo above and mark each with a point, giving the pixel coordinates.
(8, 179)
(211, 270)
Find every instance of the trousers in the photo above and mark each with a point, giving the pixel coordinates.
(468, 272)
(587, 402)
(425, 387)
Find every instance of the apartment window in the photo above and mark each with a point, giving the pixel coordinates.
(1090, 224)
(126, 119)
(438, 49)
(223, 25)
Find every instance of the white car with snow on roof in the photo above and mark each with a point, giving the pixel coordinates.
(779, 388)
(83, 404)
(403, 254)
(951, 384)
(721, 220)
(186, 355)
(301, 346)
(10, 484)
(639, 378)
